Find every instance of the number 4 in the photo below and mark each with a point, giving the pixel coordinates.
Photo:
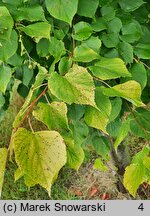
(141, 207)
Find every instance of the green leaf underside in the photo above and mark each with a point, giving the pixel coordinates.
(53, 115)
(76, 86)
(130, 90)
(109, 69)
(99, 118)
(3, 158)
(62, 9)
(98, 165)
(39, 156)
(37, 30)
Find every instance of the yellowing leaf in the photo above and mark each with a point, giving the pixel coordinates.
(53, 115)
(39, 156)
(109, 68)
(99, 117)
(130, 90)
(3, 158)
(76, 86)
(146, 162)
(133, 177)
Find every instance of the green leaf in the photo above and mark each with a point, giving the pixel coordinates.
(108, 12)
(76, 86)
(109, 68)
(113, 127)
(6, 24)
(2, 100)
(3, 158)
(76, 112)
(53, 115)
(140, 124)
(98, 165)
(8, 48)
(38, 30)
(15, 60)
(64, 65)
(114, 26)
(30, 13)
(27, 74)
(56, 48)
(129, 6)
(83, 53)
(133, 177)
(87, 8)
(126, 52)
(116, 105)
(94, 43)
(98, 117)
(130, 90)
(139, 74)
(99, 24)
(75, 157)
(80, 132)
(131, 32)
(82, 31)
(5, 75)
(110, 40)
(123, 132)
(62, 9)
(142, 50)
(14, 2)
(42, 47)
(101, 146)
(39, 156)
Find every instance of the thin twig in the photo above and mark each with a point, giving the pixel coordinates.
(30, 108)
(102, 81)
(29, 121)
